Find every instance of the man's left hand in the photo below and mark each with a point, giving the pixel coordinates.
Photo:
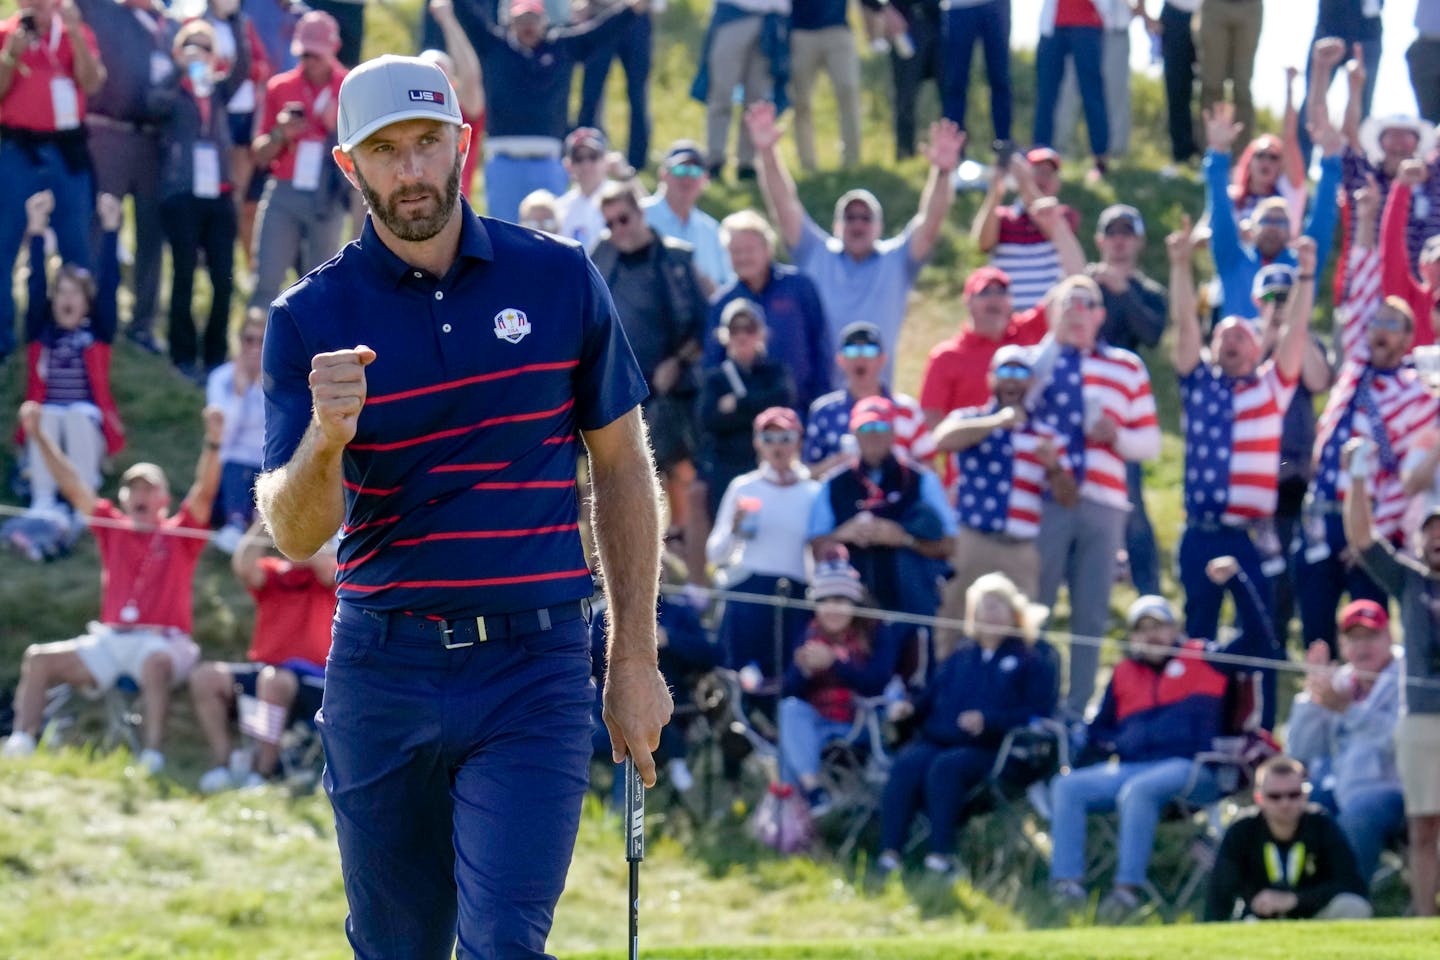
(636, 705)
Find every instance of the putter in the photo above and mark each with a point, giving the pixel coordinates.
(634, 846)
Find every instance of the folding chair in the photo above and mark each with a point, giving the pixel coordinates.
(853, 771)
(69, 720)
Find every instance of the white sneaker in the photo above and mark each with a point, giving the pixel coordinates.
(227, 538)
(887, 862)
(253, 781)
(216, 780)
(680, 775)
(18, 744)
(152, 761)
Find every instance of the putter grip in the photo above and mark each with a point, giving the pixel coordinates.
(634, 813)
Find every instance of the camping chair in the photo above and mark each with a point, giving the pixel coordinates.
(853, 771)
(68, 720)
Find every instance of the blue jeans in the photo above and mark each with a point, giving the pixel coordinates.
(1083, 44)
(1370, 52)
(631, 44)
(456, 777)
(74, 205)
(803, 734)
(960, 28)
(1370, 818)
(939, 776)
(1139, 791)
(509, 180)
(1140, 536)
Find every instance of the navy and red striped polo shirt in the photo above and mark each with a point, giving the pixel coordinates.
(460, 482)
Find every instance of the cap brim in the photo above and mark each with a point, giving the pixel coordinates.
(418, 113)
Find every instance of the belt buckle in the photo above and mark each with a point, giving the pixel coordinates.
(449, 631)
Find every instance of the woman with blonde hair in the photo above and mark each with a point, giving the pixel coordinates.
(995, 680)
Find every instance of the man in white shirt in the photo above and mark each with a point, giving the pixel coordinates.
(579, 207)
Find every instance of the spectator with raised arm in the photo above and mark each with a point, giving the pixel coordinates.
(1356, 24)
(799, 336)
(1342, 727)
(1031, 252)
(1098, 397)
(284, 669)
(1419, 288)
(47, 73)
(1165, 704)
(857, 273)
(69, 332)
(1272, 166)
(1008, 463)
(147, 562)
(1237, 261)
(1413, 581)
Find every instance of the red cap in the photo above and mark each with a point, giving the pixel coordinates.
(871, 410)
(983, 277)
(1042, 154)
(520, 7)
(317, 33)
(1364, 613)
(777, 418)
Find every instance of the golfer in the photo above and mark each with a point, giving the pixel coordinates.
(426, 392)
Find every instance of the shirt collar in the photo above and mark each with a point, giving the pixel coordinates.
(475, 244)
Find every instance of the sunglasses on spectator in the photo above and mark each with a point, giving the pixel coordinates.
(1280, 222)
(584, 156)
(1267, 155)
(1012, 371)
(992, 290)
(253, 339)
(1388, 322)
(775, 437)
(858, 218)
(1121, 229)
(854, 351)
(311, 55)
(1275, 296)
(1081, 301)
(749, 328)
(874, 426)
(1287, 795)
(687, 170)
(623, 220)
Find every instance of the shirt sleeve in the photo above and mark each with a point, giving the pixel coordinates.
(822, 514)
(608, 381)
(286, 383)
(933, 494)
(812, 245)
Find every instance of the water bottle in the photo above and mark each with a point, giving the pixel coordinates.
(199, 78)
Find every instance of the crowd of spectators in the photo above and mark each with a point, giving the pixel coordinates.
(794, 467)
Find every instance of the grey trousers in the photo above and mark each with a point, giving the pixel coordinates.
(128, 163)
(1115, 68)
(832, 50)
(735, 60)
(293, 228)
(1078, 546)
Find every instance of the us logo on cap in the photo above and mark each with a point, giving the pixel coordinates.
(428, 96)
(511, 325)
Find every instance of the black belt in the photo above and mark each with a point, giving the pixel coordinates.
(467, 631)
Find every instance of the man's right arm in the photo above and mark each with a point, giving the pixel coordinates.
(303, 501)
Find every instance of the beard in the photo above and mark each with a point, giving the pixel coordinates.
(414, 229)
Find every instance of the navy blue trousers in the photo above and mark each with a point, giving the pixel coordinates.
(941, 778)
(457, 778)
(1319, 585)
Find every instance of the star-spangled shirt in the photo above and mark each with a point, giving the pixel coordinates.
(829, 422)
(1002, 481)
(1232, 442)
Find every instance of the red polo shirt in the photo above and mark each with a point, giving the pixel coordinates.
(150, 570)
(956, 375)
(321, 105)
(28, 104)
(293, 610)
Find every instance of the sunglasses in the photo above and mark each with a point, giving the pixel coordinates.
(1287, 795)
(873, 426)
(584, 156)
(858, 218)
(623, 220)
(253, 339)
(749, 328)
(1279, 222)
(1267, 155)
(776, 437)
(855, 351)
(992, 290)
(1275, 296)
(1120, 230)
(1081, 302)
(687, 170)
(1012, 371)
(1388, 322)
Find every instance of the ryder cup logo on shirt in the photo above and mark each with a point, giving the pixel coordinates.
(428, 96)
(511, 325)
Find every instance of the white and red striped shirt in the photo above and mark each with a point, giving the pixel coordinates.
(1002, 479)
(1232, 442)
(1116, 380)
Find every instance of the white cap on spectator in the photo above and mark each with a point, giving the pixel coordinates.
(1152, 607)
(389, 89)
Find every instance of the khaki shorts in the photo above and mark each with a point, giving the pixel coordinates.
(110, 654)
(1417, 752)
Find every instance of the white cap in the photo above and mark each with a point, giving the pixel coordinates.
(389, 89)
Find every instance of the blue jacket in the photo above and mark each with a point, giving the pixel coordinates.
(1016, 684)
(1237, 264)
(1177, 708)
(798, 335)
